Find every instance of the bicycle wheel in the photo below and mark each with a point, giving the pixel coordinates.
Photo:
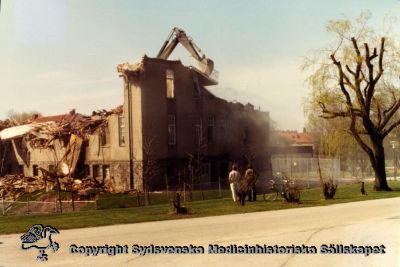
(271, 196)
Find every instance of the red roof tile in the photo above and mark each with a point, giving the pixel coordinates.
(296, 137)
(56, 118)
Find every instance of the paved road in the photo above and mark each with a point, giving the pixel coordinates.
(367, 223)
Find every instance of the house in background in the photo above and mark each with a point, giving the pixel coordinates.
(294, 144)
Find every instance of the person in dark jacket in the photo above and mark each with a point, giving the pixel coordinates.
(245, 184)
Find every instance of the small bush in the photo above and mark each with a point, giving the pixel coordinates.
(291, 192)
(329, 189)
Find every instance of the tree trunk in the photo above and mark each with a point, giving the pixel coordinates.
(378, 164)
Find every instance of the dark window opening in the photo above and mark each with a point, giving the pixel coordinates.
(222, 129)
(35, 170)
(51, 168)
(95, 170)
(86, 170)
(199, 132)
(105, 137)
(210, 129)
(65, 140)
(21, 169)
(196, 88)
(171, 130)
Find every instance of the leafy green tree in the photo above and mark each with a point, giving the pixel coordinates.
(355, 81)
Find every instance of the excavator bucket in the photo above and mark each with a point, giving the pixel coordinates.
(208, 66)
(179, 36)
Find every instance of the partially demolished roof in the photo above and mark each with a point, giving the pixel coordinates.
(5, 124)
(41, 131)
(17, 131)
(134, 70)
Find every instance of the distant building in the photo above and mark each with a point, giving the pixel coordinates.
(294, 144)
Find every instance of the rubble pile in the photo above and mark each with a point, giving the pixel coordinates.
(86, 189)
(5, 124)
(75, 128)
(82, 126)
(14, 186)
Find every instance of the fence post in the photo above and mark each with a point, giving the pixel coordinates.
(55, 205)
(219, 187)
(27, 205)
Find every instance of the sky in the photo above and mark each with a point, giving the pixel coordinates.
(56, 55)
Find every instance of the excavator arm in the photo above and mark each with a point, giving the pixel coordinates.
(179, 36)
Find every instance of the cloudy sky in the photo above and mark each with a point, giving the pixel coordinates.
(61, 54)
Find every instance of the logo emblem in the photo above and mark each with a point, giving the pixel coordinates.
(39, 237)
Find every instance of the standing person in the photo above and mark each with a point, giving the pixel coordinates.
(234, 177)
(251, 178)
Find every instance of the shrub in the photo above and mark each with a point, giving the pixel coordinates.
(291, 192)
(329, 189)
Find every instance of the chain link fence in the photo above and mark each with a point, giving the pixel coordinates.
(37, 207)
(205, 191)
(305, 170)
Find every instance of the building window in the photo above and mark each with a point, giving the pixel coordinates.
(196, 88)
(199, 132)
(170, 84)
(86, 170)
(105, 137)
(106, 171)
(21, 169)
(51, 168)
(95, 170)
(121, 130)
(171, 130)
(205, 169)
(65, 140)
(222, 128)
(210, 129)
(35, 170)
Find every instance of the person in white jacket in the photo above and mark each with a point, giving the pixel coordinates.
(234, 177)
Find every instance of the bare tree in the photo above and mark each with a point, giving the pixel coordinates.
(357, 85)
(148, 168)
(19, 117)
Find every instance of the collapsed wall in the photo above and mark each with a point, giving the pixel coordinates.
(36, 154)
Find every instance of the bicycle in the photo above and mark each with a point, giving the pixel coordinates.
(275, 189)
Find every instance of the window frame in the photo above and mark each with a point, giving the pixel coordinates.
(170, 83)
(121, 131)
(171, 128)
(211, 129)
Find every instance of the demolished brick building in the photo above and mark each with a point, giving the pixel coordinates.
(169, 121)
(167, 103)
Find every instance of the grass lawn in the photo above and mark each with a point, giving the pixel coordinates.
(309, 198)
